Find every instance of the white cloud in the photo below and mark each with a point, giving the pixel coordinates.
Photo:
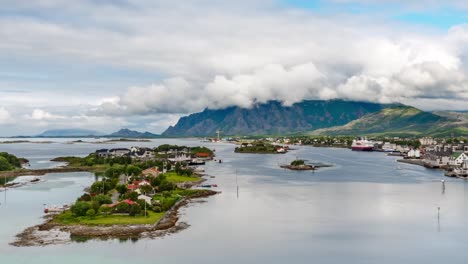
(216, 54)
(5, 117)
(39, 114)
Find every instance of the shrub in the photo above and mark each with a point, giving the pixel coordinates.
(102, 199)
(166, 186)
(134, 209)
(122, 208)
(4, 164)
(297, 163)
(90, 212)
(121, 188)
(85, 198)
(157, 208)
(80, 208)
(133, 170)
(131, 196)
(105, 210)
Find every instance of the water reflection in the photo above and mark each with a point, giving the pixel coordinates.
(364, 209)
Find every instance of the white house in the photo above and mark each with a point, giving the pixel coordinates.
(458, 158)
(414, 153)
(119, 152)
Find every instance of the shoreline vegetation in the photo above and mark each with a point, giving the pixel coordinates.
(299, 165)
(52, 232)
(260, 147)
(132, 194)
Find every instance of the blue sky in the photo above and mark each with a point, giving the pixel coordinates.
(439, 16)
(142, 64)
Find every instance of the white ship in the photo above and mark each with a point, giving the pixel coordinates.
(362, 144)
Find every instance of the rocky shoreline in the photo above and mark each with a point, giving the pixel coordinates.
(50, 232)
(40, 172)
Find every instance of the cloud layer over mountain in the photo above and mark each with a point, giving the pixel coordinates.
(213, 54)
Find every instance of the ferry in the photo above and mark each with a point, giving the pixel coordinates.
(362, 144)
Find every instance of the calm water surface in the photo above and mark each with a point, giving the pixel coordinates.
(365, 209)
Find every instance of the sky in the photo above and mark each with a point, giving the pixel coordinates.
(142, 64)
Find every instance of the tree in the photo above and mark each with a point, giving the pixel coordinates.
(85, 198)
(121, 188)
(80, 208)
(131, 196)
(102, 199)
(133, 170)
(155, 182)
(146, 189)
(122, 207)
(166, 186)
(134, 209)
(4, 164)
(97, 187)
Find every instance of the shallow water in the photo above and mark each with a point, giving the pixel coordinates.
(367, 208)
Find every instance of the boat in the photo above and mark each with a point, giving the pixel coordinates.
(55, 209)
(362, 144)
(196, 162)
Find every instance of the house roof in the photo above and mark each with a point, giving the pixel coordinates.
(132, 187)
(456, 155)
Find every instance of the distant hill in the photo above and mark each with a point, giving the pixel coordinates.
(68, 133)
(401, 120)
(127, 133)
(272, 118)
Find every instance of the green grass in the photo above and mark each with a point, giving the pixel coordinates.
(66, 218)
(175, 178)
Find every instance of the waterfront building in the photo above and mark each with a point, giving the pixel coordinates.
(458, 158)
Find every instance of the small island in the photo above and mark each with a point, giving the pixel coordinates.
(260, 147)
(9, 165)
(298, 165)
(137, 191)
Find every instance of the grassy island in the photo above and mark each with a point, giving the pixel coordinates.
(298, 165)
(260, 147)
(9, 164)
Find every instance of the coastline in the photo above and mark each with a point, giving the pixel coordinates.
(52, 233)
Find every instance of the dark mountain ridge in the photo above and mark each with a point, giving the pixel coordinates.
(272, 118)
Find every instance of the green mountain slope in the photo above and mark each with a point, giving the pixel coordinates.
(399, 120)
(272, 118)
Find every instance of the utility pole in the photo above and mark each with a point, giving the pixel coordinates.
(145, 204)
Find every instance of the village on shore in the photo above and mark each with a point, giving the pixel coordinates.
(449, 153)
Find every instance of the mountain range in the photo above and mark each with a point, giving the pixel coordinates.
(272, 118)
(122, 133)
(335, 117)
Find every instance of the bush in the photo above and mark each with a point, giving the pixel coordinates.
(122, 208)
(166, 186)
(131, 196)
(102, 199)
(105, 210)
(80, 208)
(121, 188)
(157, 209)
(4, 164)
(133, 170)
(85, 198)
(134, 209)
(90, 212)
(297, 163)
